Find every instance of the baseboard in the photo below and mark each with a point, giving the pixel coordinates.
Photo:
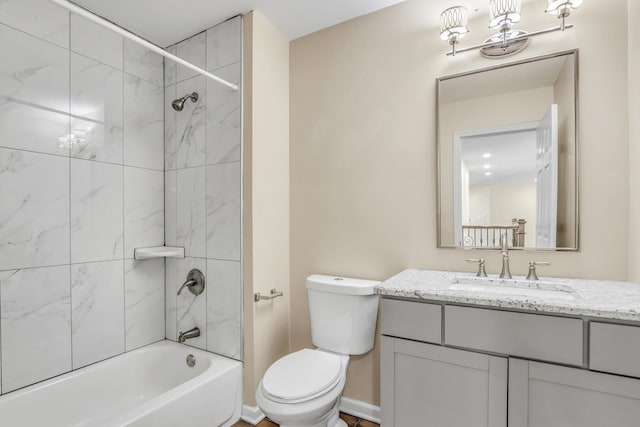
(251, 414)
(360, 409)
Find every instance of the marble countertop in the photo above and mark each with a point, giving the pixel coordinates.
(577, 297)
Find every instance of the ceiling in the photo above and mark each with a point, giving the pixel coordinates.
(513, 158)
(165, 22)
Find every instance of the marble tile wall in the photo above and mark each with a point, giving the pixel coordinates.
(81, 184)
(203, 190)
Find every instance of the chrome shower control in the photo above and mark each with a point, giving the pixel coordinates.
(195, 282)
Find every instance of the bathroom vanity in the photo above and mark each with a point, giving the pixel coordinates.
(459, 350)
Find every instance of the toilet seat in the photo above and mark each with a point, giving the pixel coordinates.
(301, 376)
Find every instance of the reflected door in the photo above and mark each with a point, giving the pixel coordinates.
(547, 179)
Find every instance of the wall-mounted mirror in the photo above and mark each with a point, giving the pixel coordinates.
(507, 155)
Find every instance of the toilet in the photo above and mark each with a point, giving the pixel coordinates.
(303, 389)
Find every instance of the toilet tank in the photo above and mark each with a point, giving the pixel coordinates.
(343, 313)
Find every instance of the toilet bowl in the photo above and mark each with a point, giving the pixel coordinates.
(303, 389)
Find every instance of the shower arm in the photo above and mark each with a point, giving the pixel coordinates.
(152, 47)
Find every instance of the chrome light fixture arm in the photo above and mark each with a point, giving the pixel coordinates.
(501, 42)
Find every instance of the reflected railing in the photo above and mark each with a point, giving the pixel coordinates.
(488, 236)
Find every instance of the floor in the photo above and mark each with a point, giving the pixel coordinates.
(349, 419)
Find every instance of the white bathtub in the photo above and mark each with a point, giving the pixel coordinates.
(150, 387)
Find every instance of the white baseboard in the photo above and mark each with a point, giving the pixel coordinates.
(252, 414)
(360, 409)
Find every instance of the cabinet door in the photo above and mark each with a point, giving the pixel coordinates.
(433, 386)
(542, 395)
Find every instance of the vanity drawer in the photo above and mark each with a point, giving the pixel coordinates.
(614, 348)
(531, 336)
(413, 320)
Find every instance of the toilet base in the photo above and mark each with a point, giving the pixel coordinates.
(332, 419)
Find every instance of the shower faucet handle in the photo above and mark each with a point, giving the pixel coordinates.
(481, 270)
(194, 282)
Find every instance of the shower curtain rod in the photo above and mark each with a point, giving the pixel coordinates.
(157, 49)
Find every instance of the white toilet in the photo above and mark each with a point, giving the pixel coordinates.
(303, 389)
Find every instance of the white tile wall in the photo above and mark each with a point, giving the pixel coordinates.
(224, 44)
(96, 110)
(97, 311)
(40, 18)
(35, 325)
(96, 42)
(202, 190)
(97, 230)
(224, 307)
(28, 96)
(143, 124)
(143, 209)
(185, 136)
(144, 302)
(143, 63)
(191, 213)
(193, 50)
(34, 212)
(223, 211)
(171, 300)
(171, 208)
(224, 117)
(66, 222)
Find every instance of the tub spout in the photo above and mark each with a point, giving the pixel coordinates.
(191, 333)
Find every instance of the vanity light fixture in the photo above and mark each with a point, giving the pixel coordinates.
(502, 15)
(453, 25)
(486, 155)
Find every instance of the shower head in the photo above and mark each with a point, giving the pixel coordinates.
(178, 104)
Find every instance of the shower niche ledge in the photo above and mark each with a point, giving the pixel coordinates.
(158, 252)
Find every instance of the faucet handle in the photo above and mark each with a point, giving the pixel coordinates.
(532, 269)
(195, 282)
(481, 271)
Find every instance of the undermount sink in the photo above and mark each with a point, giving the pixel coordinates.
(513, 287)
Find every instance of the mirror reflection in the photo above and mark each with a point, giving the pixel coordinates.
(507, 155)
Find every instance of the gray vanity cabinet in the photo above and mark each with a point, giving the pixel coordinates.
(544, 395)
(467, 367)
(442, 386)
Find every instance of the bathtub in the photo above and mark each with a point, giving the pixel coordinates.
(148, 387)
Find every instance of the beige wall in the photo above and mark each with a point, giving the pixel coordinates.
(266, 197)
(363, 151)
(634, 140)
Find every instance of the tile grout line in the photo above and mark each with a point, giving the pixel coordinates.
(4, 147)
(124, 246)
(206, 191)
(164, 189)
(70, 200)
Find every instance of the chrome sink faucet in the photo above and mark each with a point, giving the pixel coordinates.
(504, 253)
(191, 333)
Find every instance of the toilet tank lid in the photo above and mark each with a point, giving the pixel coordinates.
(341, 285)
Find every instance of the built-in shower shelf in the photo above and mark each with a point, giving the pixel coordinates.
(158, 252)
